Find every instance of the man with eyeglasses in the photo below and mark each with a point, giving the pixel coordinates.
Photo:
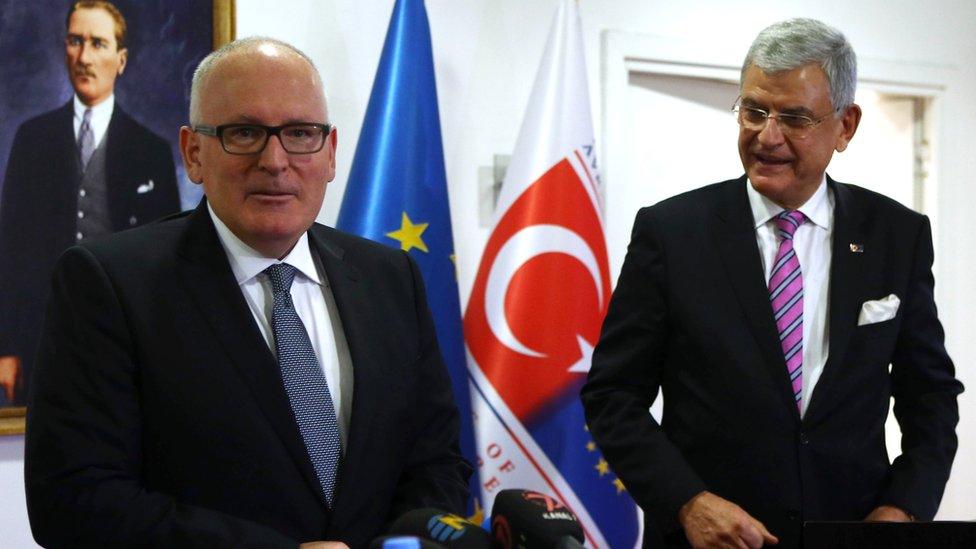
(777, 314)
(78, 172)
(240, 376)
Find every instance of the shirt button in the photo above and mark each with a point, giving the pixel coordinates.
(81, 214)
(133, 220)
(82, 193)
(79, 236)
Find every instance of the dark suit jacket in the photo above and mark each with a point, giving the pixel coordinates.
(39, 204)
(158, 415)
(691, 317)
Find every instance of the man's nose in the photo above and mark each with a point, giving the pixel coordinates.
(84, 53)
(274, 157)
(771, 135)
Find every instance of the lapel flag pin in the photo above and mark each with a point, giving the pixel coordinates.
(857, 248)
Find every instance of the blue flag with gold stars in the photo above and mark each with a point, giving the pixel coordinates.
(397, 190)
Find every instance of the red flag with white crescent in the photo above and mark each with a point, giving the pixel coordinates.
(538, 302)
(540, 296)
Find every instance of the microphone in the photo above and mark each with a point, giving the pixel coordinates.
(403, 542)
(449, 530)
(523, 519)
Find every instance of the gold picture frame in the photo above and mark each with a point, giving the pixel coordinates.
(224, 22)
(13, 418)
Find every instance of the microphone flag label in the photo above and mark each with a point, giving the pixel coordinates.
(447, 527)
(538, 302)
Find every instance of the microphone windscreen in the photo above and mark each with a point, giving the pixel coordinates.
(523, 518)
(568, 542)
(449, 530)
(403, 542)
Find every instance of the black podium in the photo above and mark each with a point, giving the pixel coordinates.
(889, 535)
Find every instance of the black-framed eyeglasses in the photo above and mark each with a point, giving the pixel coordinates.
(300, 138)
(793, 125)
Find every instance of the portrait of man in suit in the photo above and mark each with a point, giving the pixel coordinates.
(777, 314)
(81, 171)
(239, 375)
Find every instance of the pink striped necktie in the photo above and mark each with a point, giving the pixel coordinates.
(786, 296)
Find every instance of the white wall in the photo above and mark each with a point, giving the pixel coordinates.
(486, 53)
(14, 531)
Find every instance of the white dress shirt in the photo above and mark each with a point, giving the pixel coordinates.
(812, 245)
(101, 116)
(314, 304)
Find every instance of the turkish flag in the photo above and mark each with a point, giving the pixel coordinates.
(542, 291)
(538, 301)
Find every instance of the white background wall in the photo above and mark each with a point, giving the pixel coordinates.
(486, 53)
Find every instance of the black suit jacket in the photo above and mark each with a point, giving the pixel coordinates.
(691, 317)
(39, 204)
(159, 418)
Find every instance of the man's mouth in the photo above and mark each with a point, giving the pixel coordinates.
(771, 160)
(272, 194)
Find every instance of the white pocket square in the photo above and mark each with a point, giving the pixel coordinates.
(878, 310)
(145, 187)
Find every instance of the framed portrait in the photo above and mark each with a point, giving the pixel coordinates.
(92, 95)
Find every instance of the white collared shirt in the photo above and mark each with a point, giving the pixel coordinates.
(314, 304)
(812, 245)
(101, 116)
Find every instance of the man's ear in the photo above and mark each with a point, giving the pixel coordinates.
(123, 58)
(331, 141)
(849, 122)
(190, 151)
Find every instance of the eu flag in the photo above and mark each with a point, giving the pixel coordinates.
(397, 190)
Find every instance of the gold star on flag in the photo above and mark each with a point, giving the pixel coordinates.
(591, 446)
(409, 234)
(479, 514)
(619, 484)
(602, 467)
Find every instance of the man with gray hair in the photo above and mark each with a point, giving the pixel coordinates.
(240, 376)
(778, 314)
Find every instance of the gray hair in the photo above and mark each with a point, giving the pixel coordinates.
(202, 73)
(790, 44)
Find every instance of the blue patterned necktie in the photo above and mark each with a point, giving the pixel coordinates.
(308, 392)
(86, 139)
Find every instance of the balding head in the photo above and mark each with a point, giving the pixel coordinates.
(251, 51)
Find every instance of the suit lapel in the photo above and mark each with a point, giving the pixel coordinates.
(118, 152)
(62, 188)
(115, 158)
(67, 143)
(847, 270)
(350, 296)
(208, 279)
(735, 235)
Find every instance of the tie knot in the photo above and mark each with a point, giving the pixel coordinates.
(788, 221)
(86, 118)
(281, 276)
